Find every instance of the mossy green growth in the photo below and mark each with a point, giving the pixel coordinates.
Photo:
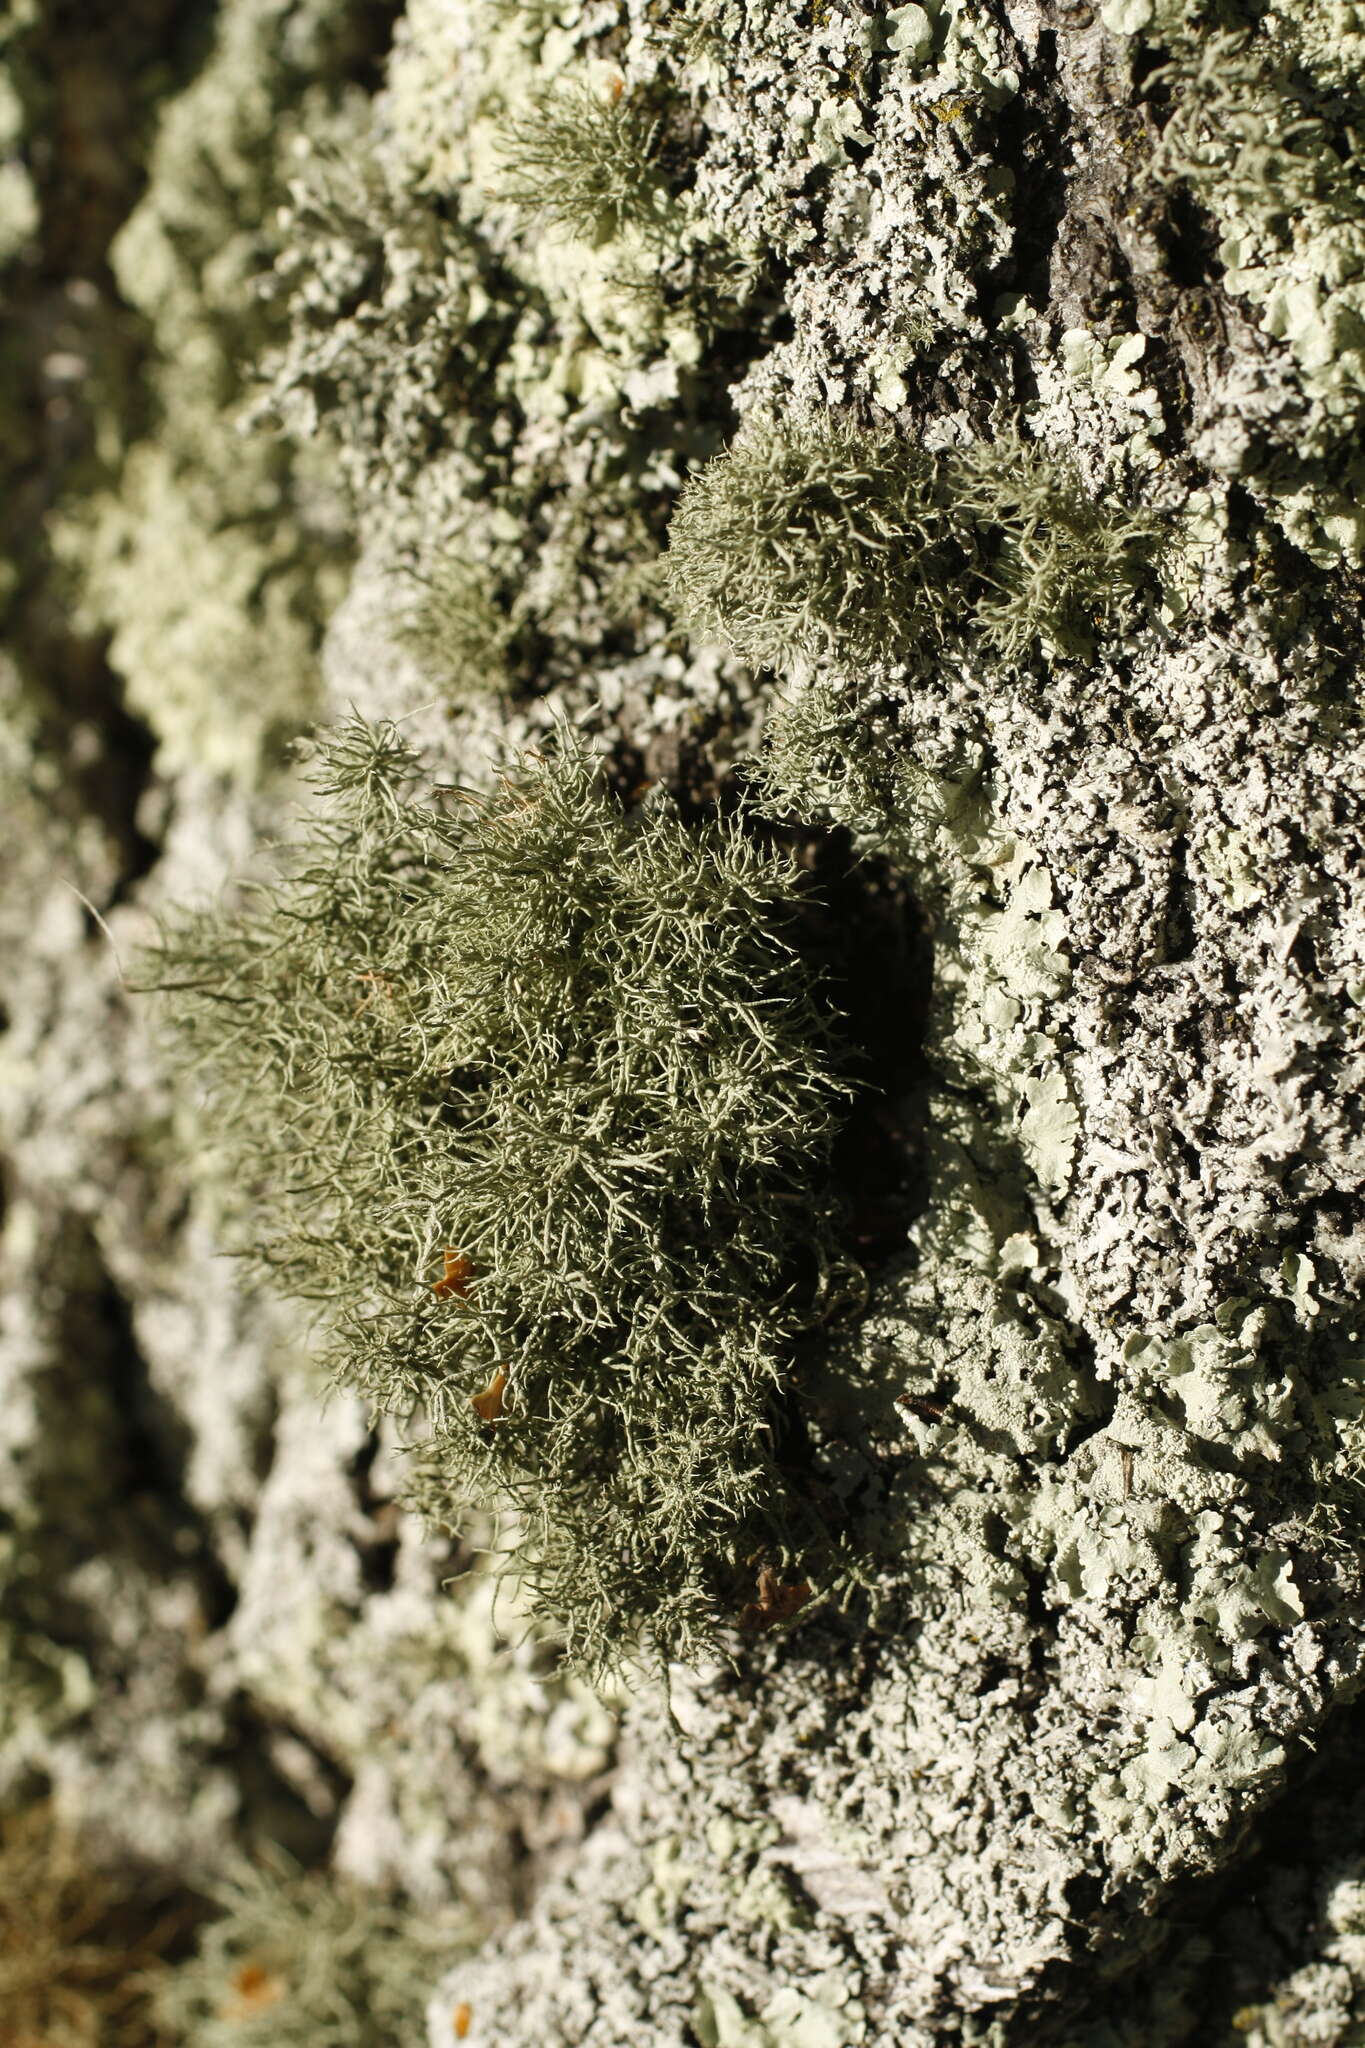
(535, 1098)
(304, 1960)
(216, 558)
(830, 540)
(832, 751)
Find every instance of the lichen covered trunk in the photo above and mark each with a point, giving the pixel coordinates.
(803, 1055)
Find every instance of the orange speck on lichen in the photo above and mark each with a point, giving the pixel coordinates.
(488, 1405)
(254, 1990)
(376, 985)
(456, 1277)
(463, 2016)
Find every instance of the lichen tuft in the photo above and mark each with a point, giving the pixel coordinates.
(832, 540)
(568, 1055)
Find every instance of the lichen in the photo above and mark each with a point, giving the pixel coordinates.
(296, 1957)
(1264, 127)
(825, 540)
(584, 161)
(1093, 1452)
(211, 559)
(576, 1050)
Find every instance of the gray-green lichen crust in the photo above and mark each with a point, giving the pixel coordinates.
(950, 413)
(214, 559)
(1123, 1337)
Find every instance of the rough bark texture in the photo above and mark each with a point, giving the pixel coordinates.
(312, 404)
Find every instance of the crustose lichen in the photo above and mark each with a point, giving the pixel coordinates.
(536, 1099)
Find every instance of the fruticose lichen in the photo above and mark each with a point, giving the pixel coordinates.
(584, 161)
(828, 540)
(535, 1097)
(1080, 292)
(291, 1958)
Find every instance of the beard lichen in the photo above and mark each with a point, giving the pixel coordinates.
(584, 162)
(294, 1956)
(829, 540)
(534, 1099)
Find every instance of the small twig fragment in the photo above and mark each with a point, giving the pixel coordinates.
(927, 1411)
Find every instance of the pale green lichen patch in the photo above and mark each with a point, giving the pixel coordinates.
(215, 557)
(1265, 128)
(292, 1957)
(515, 394)
(820, 2016)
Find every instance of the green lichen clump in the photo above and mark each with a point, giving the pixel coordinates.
(831, 540)
(456, 630)
(836, 752)
(536, 1098)
(295, 1958)
(393, 317)
(585, 162)
(215, 558)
